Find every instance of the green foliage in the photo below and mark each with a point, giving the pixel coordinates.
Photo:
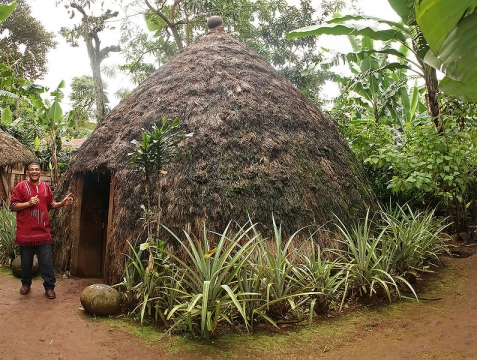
(449, 30)
(426, 164)
(323, 276)
(209, 277)
(83, 99)
(278, 262)
(50, 114)
(378, 88)
(6, 10)
(416, 238)
(366, 255)
(139, 285)
(26, 42)
(239, 277)
(152, 154)
(8, 226)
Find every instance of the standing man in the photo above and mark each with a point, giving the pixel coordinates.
(31, 200)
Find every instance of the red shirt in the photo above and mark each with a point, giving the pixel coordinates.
(33, 223)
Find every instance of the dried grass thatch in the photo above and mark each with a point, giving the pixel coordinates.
(260, 147)
(13, 152)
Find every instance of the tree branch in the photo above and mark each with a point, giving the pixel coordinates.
(170, 24)
(105, 51)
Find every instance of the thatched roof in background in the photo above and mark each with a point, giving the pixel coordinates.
(260, 147)
(12, 151)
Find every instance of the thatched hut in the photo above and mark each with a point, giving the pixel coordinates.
(13, 158)
(260, 147)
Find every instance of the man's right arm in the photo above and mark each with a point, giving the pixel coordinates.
(19, 206)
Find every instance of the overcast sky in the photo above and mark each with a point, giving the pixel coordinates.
(66, 62)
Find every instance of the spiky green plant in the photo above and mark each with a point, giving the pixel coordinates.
(368, 267)
(210, 279)
(416, 237)
(141, 286)
(278, 264)
(321, 275)
(8, 226)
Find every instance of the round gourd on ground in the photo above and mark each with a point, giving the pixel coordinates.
(100, 299)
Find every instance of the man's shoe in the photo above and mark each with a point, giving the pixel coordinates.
(50, 294)
(25, 289)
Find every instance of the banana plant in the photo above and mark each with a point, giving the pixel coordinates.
(449, 29)
(6, 10)
(407, 36)
(50, 114)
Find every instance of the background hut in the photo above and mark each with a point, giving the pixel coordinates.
(260, 147)
(13, 158)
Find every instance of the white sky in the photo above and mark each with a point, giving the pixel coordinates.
(66, 62)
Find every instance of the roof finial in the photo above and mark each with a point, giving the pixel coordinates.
(214, 21)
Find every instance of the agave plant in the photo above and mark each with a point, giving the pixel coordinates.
(323, 275)
(211, 292)
(417, 238)
(368, 266)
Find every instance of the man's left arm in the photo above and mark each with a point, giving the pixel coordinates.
(66, 201)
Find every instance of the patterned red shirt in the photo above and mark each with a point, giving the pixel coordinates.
(33, 223)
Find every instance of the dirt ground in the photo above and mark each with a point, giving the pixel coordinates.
(442, 326)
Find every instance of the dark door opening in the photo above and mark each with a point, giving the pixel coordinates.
(93, 224)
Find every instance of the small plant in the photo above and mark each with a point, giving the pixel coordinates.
(278, 264)
(152, 153)
(140, 286)
(322, 275)
(209, 278)
(416, 238)
(8, 226)
(367, 262)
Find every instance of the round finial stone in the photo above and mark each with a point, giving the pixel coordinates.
(214, 21)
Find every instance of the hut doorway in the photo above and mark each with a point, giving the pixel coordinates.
(93, 224)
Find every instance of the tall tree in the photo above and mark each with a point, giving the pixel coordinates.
(260, 25)
(83, 99)
(82, 121)
(89, 30)
(25, 42)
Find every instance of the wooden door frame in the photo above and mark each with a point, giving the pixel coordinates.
(107, 242)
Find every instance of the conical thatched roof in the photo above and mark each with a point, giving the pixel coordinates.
(260, 147)
(12, 151)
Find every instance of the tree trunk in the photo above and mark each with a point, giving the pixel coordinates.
(430, 76)
(95, 62)
(54, 161)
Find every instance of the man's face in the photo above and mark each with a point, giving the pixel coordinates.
(34, 172)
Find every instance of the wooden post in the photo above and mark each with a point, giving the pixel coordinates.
(108, 230)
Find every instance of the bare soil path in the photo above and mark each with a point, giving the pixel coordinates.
(444, 326)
